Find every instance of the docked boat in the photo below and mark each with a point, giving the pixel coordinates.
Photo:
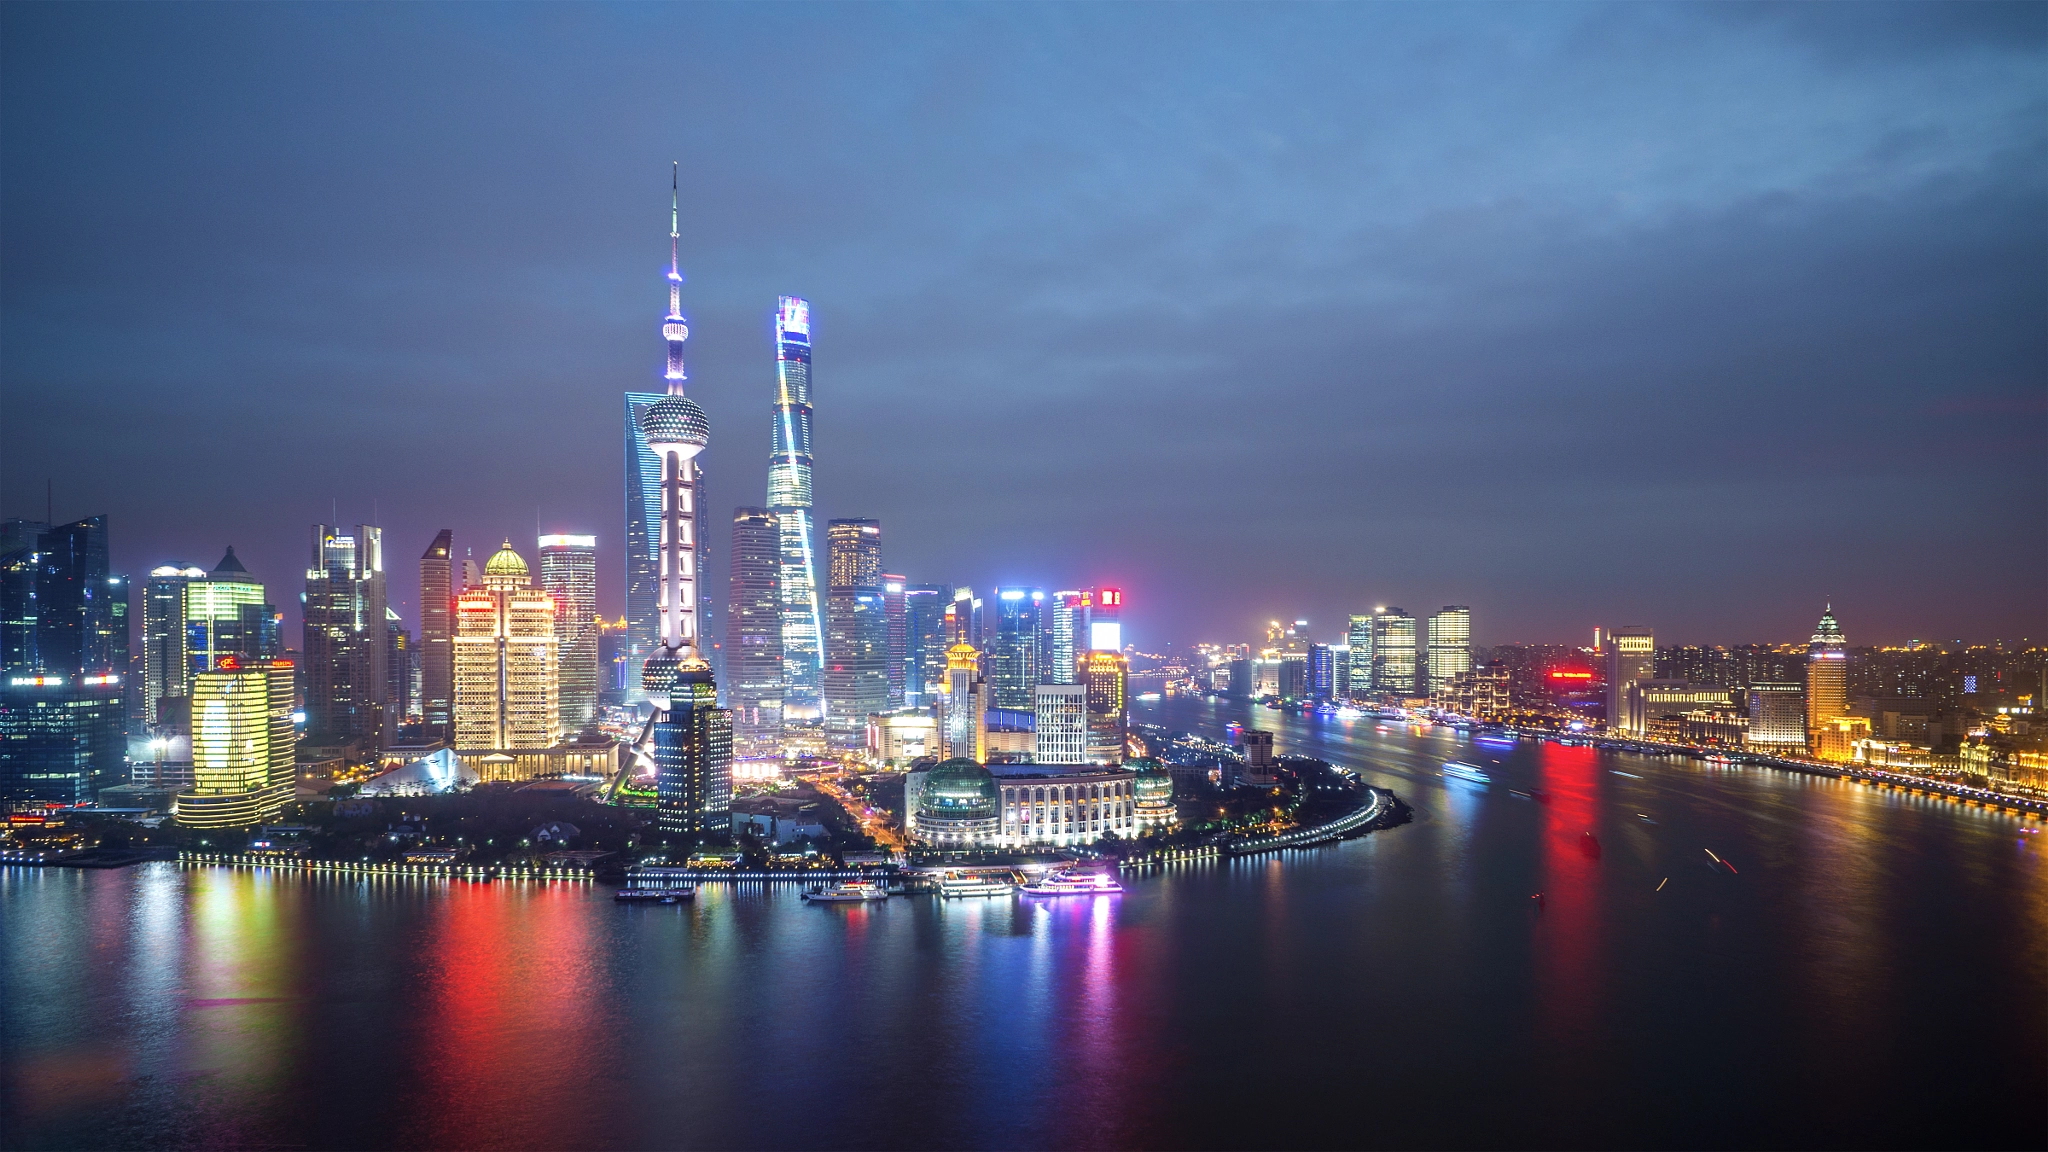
(851, 892)
(975, 886)
(1458, 770)
(1072, 884)
(672, 895)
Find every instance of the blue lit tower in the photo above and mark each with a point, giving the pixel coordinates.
(690, 736)
(789, 497)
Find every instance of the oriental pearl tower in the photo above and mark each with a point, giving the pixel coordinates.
(689, 736)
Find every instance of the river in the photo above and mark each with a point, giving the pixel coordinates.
(1872, 973)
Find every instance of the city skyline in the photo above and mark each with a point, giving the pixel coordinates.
(1830, 421)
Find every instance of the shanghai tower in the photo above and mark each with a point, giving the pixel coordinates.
(789, 497)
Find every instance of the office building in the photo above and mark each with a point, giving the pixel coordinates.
(1652, 707)
(242, 744)
(753, 633)
(962, 724)
(1107, 681)
(963, 619)
(1322, 672)
(62, 736)
(897, 738)
(856, 676)
(437, 635)
(789, 497)
(643, 527)
(399, 666)
(1777, 717)
(1061, 728)
(1359, 657)
(690, 741)
(1393, 653)
(1827, 676)
(1631, 656)
(507, 661)
(164, 672)
(63, 715)
(192, 619)
(1105, 620)
(925, 643)
(1010, 662)
(1065, 640)
(1450, 645)
(568, 574)
(895, 614)
(345, 650)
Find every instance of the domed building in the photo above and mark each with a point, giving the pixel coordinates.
(957, 806)
(507, 662)
(1153, 793)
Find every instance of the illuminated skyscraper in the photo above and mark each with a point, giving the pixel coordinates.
(1065, 641)
(242, 745)
(1827, 674)
(856, 677)
(1360, 657)
(437, 635)
(963, 710)
(62, 666)
(1393, 652)
(789, 497)
(1010, 662)
(753, 633)
(346, 648)
(1105, 620)
(690, 735)
(1631, 656)
(1107, 678)
(191, 620)
(895, 613)
(1450, 645)
(568, 574)
(643, 531)
(1776, 722)
(924, 660)
(507, 661)
(1322, 672)
(1062, 724)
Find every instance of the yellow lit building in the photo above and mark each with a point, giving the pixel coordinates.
(964, 706)
(242, 744)
(1837, 737)
(1827, 681)
(507, 661)
(1107, 676)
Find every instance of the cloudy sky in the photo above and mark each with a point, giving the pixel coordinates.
(1687, 316)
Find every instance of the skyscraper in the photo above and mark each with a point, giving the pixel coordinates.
(568, 574)
(1108, 707)
(1322, 672)
(1450, 645)
(789, 497)
(1105, 620)
(1062, 724)
(1010, 662)
(1360, 657)
(1064, 640)
(242, 744)
(643, 531)
(691, 736)
(62, 707)
(345, 648)
(753, 633)
(1631, 656)
(1827, 675)
(399, 655)
(507, 661)
(1393, 652)
(963, 711)
(924, 612)
(437, 635)
(895, 615)
(856, 677)
(191, 620)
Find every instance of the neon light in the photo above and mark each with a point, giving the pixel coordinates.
(568, 541)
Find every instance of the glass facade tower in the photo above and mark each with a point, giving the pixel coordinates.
(1450, 645)
(789, 497)
(753, 639)
(1393, 652)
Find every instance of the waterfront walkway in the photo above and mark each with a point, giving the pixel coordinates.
(1376, 804)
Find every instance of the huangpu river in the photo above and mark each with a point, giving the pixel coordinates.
(1873, 972)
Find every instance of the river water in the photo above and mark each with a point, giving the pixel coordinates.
(1874, 973)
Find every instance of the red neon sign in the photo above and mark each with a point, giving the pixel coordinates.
(1571, 675)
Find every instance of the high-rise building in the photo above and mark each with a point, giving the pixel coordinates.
(164, 666)
(242, 744)
(191, 620)
(924, 658)
(789, 497)
(896, 618)
(62, 706)
(1360, 657)
(1105, 620)
(1827, 675)
(963, 709)
(1062, 724)
(1393, 652)
(690, 736)
(963, 618)
(1631, 656)
(568, 574)
(507, 661)
(753, 633)
(643, 529)
(437, 635)
(346, 649)
(1065, 641)
(1010, 662)
(1777, 720)
(399, 655)
(1450, 645)
(856, 676)
(1322, 672)
(1108, 707)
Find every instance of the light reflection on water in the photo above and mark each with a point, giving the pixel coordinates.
(1402, 989)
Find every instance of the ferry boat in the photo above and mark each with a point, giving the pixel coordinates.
(1072, 884)
(851, 892)
(672, 895)
(1458, 770)
(975, 886)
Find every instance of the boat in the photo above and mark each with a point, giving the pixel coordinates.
(975, 886)
(671, 895)
(1458, 770)
(851, 892)
(1071, 884)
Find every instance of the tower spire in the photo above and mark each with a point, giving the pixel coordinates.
(674, 328)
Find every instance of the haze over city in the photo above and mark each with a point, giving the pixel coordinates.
(1698, 316)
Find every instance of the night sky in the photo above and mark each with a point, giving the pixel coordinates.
(1692, 317)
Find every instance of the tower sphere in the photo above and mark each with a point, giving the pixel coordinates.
(675, 423)
(675, 331)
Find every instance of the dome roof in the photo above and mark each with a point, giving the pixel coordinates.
(1154, 784)
(505, 562)
(675, 420)
(958, 790)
